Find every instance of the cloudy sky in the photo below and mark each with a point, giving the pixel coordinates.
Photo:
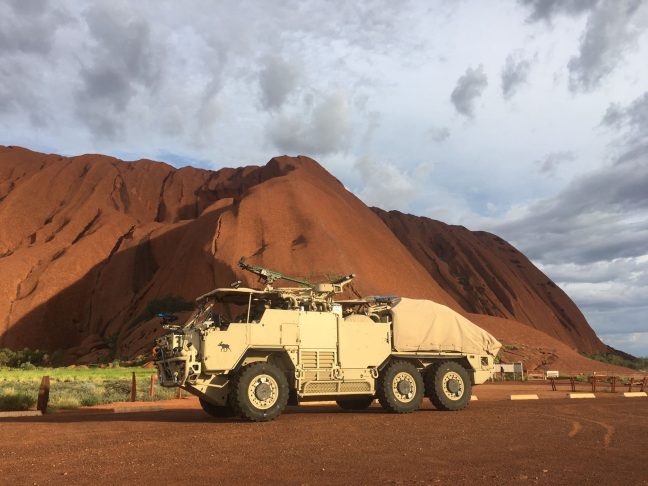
(527, 118)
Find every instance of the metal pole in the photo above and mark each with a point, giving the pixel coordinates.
(249, 305)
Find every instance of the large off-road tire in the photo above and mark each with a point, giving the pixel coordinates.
(400, 387)
(358, 403)
(448, 386)
(259, 392)
(216, 410)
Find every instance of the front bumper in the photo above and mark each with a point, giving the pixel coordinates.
(175, 361)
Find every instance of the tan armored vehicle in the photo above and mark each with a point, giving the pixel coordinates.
(250, 352)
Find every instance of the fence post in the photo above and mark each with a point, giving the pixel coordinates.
(43, 394)
(572, 382)
(593, 380)
(133, 396)
(152, 388)
(613, 383)
(179, 392)
(553, 383)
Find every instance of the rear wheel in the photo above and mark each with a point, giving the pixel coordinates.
(259, 392)
(216, 410)
(400, 387)
(360, 403)
(448, 386)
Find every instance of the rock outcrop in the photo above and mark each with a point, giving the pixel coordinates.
(89, 245)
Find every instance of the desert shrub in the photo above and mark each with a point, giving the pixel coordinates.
(22, 358)
(64, 402)
(615, 359)
(17, 401)
(90, 401)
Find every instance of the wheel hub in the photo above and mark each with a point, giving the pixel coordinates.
(453, 386)
(263, 391)
(404, 387)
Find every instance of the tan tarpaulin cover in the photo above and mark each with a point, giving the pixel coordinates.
(423, 325)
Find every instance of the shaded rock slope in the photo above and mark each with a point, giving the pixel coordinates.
(89, 245)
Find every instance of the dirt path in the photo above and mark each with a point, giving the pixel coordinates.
(496, 442)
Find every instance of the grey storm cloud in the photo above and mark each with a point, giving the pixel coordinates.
(550, 162)
(323, 129)
(28, 31)
(632, 120)
(29, 26)
(612, 28)
(470, 86)
(122, 59)
(438, 134)
(547, 9)
(601, 215)
(278, 79)
(514, 74)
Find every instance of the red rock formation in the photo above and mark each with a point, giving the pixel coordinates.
(86, 243)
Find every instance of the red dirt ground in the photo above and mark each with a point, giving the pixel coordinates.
(491, 442)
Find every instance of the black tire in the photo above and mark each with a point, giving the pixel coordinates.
(400, 387)
(448, 386)
(358, 403)
(259, 392)
(218, 411)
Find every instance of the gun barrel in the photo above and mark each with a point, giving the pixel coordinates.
(269, 275)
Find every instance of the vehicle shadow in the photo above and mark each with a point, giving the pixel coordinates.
(181, 415)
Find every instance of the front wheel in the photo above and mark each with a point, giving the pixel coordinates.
(400, 387)
(448, 386)
(259, 392)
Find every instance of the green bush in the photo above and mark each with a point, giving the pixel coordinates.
(18, 401)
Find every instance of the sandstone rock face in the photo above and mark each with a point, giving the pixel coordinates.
(89, 243)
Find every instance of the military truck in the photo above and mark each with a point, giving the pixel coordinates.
(249, 352)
